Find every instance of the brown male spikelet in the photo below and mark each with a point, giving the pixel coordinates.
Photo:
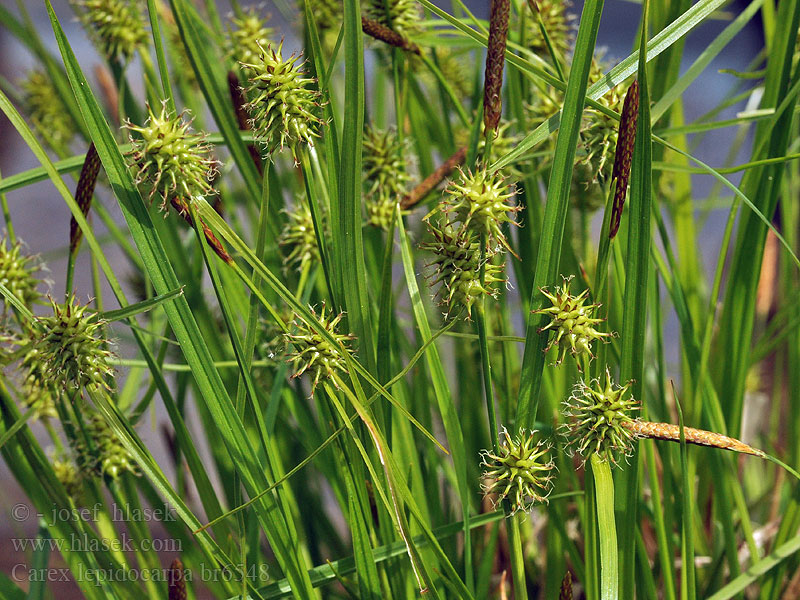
(623, 155)
(495, 57)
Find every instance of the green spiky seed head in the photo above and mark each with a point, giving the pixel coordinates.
(47, 111)
(403, 16)
(385, 175)
(283, 103)
(479, 201)
(328, 18)
(520, 471)
(572, 320)
(72, 347)
(37, 391)
(314, 353)
(299, 238)
(599, 141)
(70, 477)
(170, 158)
(116, 26)
(595, 415)
(457, 262)
(17, 273)
(559, 24)
(104, 454)
(248, 36)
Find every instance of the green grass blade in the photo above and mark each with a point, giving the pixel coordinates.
(555, 215)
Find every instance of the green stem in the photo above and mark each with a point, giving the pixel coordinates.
(604, 503)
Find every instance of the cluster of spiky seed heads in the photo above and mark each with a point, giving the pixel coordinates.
(385, 175)
(315, 353)
(283, 103)
(100, 452)
(116, 26)
(457, 262)
(403, 16)
(69, 476)
(172, 160)
(17, 273)
(71, 348)
(559, 24)
(248, 36)
(327, 17)
(520, 471)
(572, 320)
(46, 110)
(479, 202)
(596, 417)
(299, 238)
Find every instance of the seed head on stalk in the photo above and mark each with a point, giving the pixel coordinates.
(17, 273)
(71, 348)
(457, 265)
(175, 162)
(103, 454)
(572, 320)
(117, 26)
(385, 175)
(46, 110)
(248, 36)
(519, 471)
(402, 16)
(597, 418)
(282, 103)
(313, 352)
(479, 202)
(299, 238)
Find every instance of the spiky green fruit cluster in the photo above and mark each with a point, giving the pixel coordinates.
(313, 352)
(519, 471)
(116, 26)
(71, 348)
(559, 24)
(46, 110)
(479, 202)
(599, 135)
(283, 103)
(248, 37)
(37, 391)
(171, 159)
(572, 320)
(595, 416)
(101, 453)
(385, 175)
(455, 67)
(17, 273)
(327, 17)
(70, 477)
(300, 238)
(403, 16)
(457, 261)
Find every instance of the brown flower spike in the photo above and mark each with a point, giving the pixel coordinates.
(495, 57)
(84, 193)
(624, 154)
(383, 33)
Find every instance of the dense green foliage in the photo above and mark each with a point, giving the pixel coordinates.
(398, 343)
